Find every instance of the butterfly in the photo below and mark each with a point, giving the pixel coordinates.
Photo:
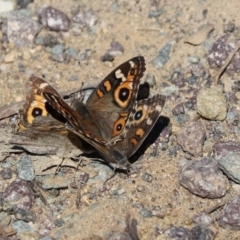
(112, 119)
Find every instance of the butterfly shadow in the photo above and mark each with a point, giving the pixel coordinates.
(151, 138)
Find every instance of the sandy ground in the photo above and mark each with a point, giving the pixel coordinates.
(129, 24)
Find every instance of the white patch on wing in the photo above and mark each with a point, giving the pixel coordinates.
(158, 108)
(149, 121)
(131, 64)
(43, 85)
(119, 74)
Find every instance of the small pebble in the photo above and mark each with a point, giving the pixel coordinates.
(202, 218)
(147, 177)
(162, 57)
(25, 168)
(115, 49)
(229, 27)
(22, 226)
(191, 138)
(58, 49)
(221, 148)
(159, 212)
(24, 215)
(230, 215)
(7, 6)
(19, 193)
(202, 232)
(145, 213)
(86, 19)
(6, 173)
(74, 78)
(177, 233)
(193, 59)
(156, 13)
(23, 3)
(200, 36)
(178, 109)
(107, 58)
(220, 51)
(71, 51)
(53, 19)
(230, 165)
(177, 79)
(21, 30)
(59, 222)
(10, 57)
(212, 104)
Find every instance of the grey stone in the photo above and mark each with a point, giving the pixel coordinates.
(25, 168)
(53, 19)
(230, 165)
(230, 216)
(20, 30)
(162, 57)
(203, 178)
(191, 138)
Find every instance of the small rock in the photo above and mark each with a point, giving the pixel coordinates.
(178, 109)
(145, 213)
(74, 78)
(20, 30)
(191, 103)
(230, 165)
(22, 4)
(202, 218)
(25, 168)
(163, 56)
(201, 232)
(229, 27)
(7, 6)
(221, 148)
(59, 222)
(21, 226)
(203, 178)
(58, 49)
(200, 36)
(6, 173)
(154, 14)
(104, 173)
(107, 58)
(193, 59)
(25, 215)
(86, 19)
(178, 233)
(20, 193)
(220, 51)
(230, 215)
(10, 57)
(71, 52)
(115, 49)
(147, 177)
(212, 104)
(159, 212)
(53, 19)
(191, 138)
(177, 79)
(49, 182)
